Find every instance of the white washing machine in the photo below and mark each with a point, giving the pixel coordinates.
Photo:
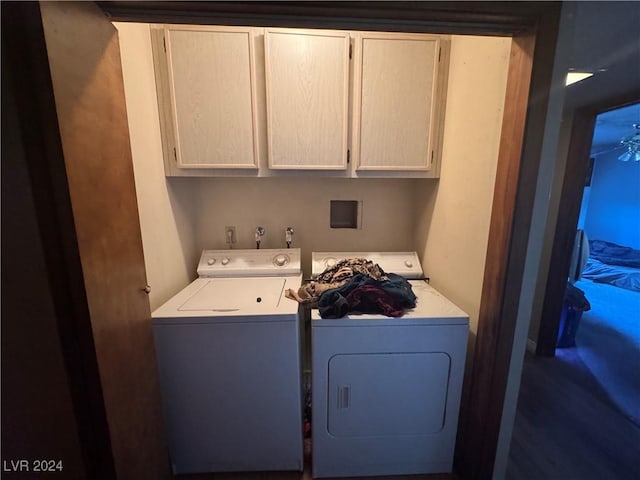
(228, 350)
(386, 391)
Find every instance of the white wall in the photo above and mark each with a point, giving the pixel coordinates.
(613, 213)
(165, 206)
(453, 214)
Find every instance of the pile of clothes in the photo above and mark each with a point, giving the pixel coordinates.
(356, 285)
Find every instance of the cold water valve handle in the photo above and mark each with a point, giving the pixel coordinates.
(259, 234)
(288, 236)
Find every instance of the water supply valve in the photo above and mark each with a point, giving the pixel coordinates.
(288, 236)
(259, 235)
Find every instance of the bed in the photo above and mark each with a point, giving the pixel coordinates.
(608, 339)
(613, 264)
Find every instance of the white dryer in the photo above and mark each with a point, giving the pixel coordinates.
(228, 351)
(386, 391)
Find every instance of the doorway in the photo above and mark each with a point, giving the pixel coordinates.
(608, 336)
(486, 394)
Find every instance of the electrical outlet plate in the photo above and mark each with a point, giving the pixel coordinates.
(230, 235)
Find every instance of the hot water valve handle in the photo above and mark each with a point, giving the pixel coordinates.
(288, 236)
(259, 234)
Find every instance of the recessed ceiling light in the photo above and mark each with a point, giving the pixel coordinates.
(573, 77)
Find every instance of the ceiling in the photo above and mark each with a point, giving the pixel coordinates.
(612, 126)
(606, 40)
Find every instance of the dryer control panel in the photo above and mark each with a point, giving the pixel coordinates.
(406, 264)
(248, 263)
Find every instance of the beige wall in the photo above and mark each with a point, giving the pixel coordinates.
(165, 206)
(453, 215)
(303, 203)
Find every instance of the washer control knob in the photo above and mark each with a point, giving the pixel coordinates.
(408, 263)
(330, 262)
(281, 260)
(225, 260)
(211, 261)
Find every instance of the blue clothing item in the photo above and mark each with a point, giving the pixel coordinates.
(395, 295)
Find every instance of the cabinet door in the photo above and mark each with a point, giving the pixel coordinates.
(307, 81)
(396, 83)
(211, 83)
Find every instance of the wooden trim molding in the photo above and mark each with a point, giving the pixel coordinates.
(477, 18)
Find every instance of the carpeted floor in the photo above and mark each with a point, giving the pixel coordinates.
(608, 342)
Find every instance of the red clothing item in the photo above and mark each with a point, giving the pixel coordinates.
(373, 299)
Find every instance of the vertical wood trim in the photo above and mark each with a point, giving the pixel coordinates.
(480, 424)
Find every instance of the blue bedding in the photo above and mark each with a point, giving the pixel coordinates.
(619, 276)
(613, 264)
(613, 254)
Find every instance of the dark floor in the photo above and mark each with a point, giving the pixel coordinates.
(566, 428)
(306, 474)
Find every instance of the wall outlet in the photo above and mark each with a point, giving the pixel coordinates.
(230, 235)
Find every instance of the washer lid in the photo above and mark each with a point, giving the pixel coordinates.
(234, 294)
(406, 264)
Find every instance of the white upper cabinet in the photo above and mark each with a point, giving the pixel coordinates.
(396, 115)
(210, 83)
(307, 85)
(249, 101)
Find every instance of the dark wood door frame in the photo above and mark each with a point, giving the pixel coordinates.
(569, 211)
(532, 25)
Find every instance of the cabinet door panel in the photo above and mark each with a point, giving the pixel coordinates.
(307, 81)
(395, 101)
(211, 78)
